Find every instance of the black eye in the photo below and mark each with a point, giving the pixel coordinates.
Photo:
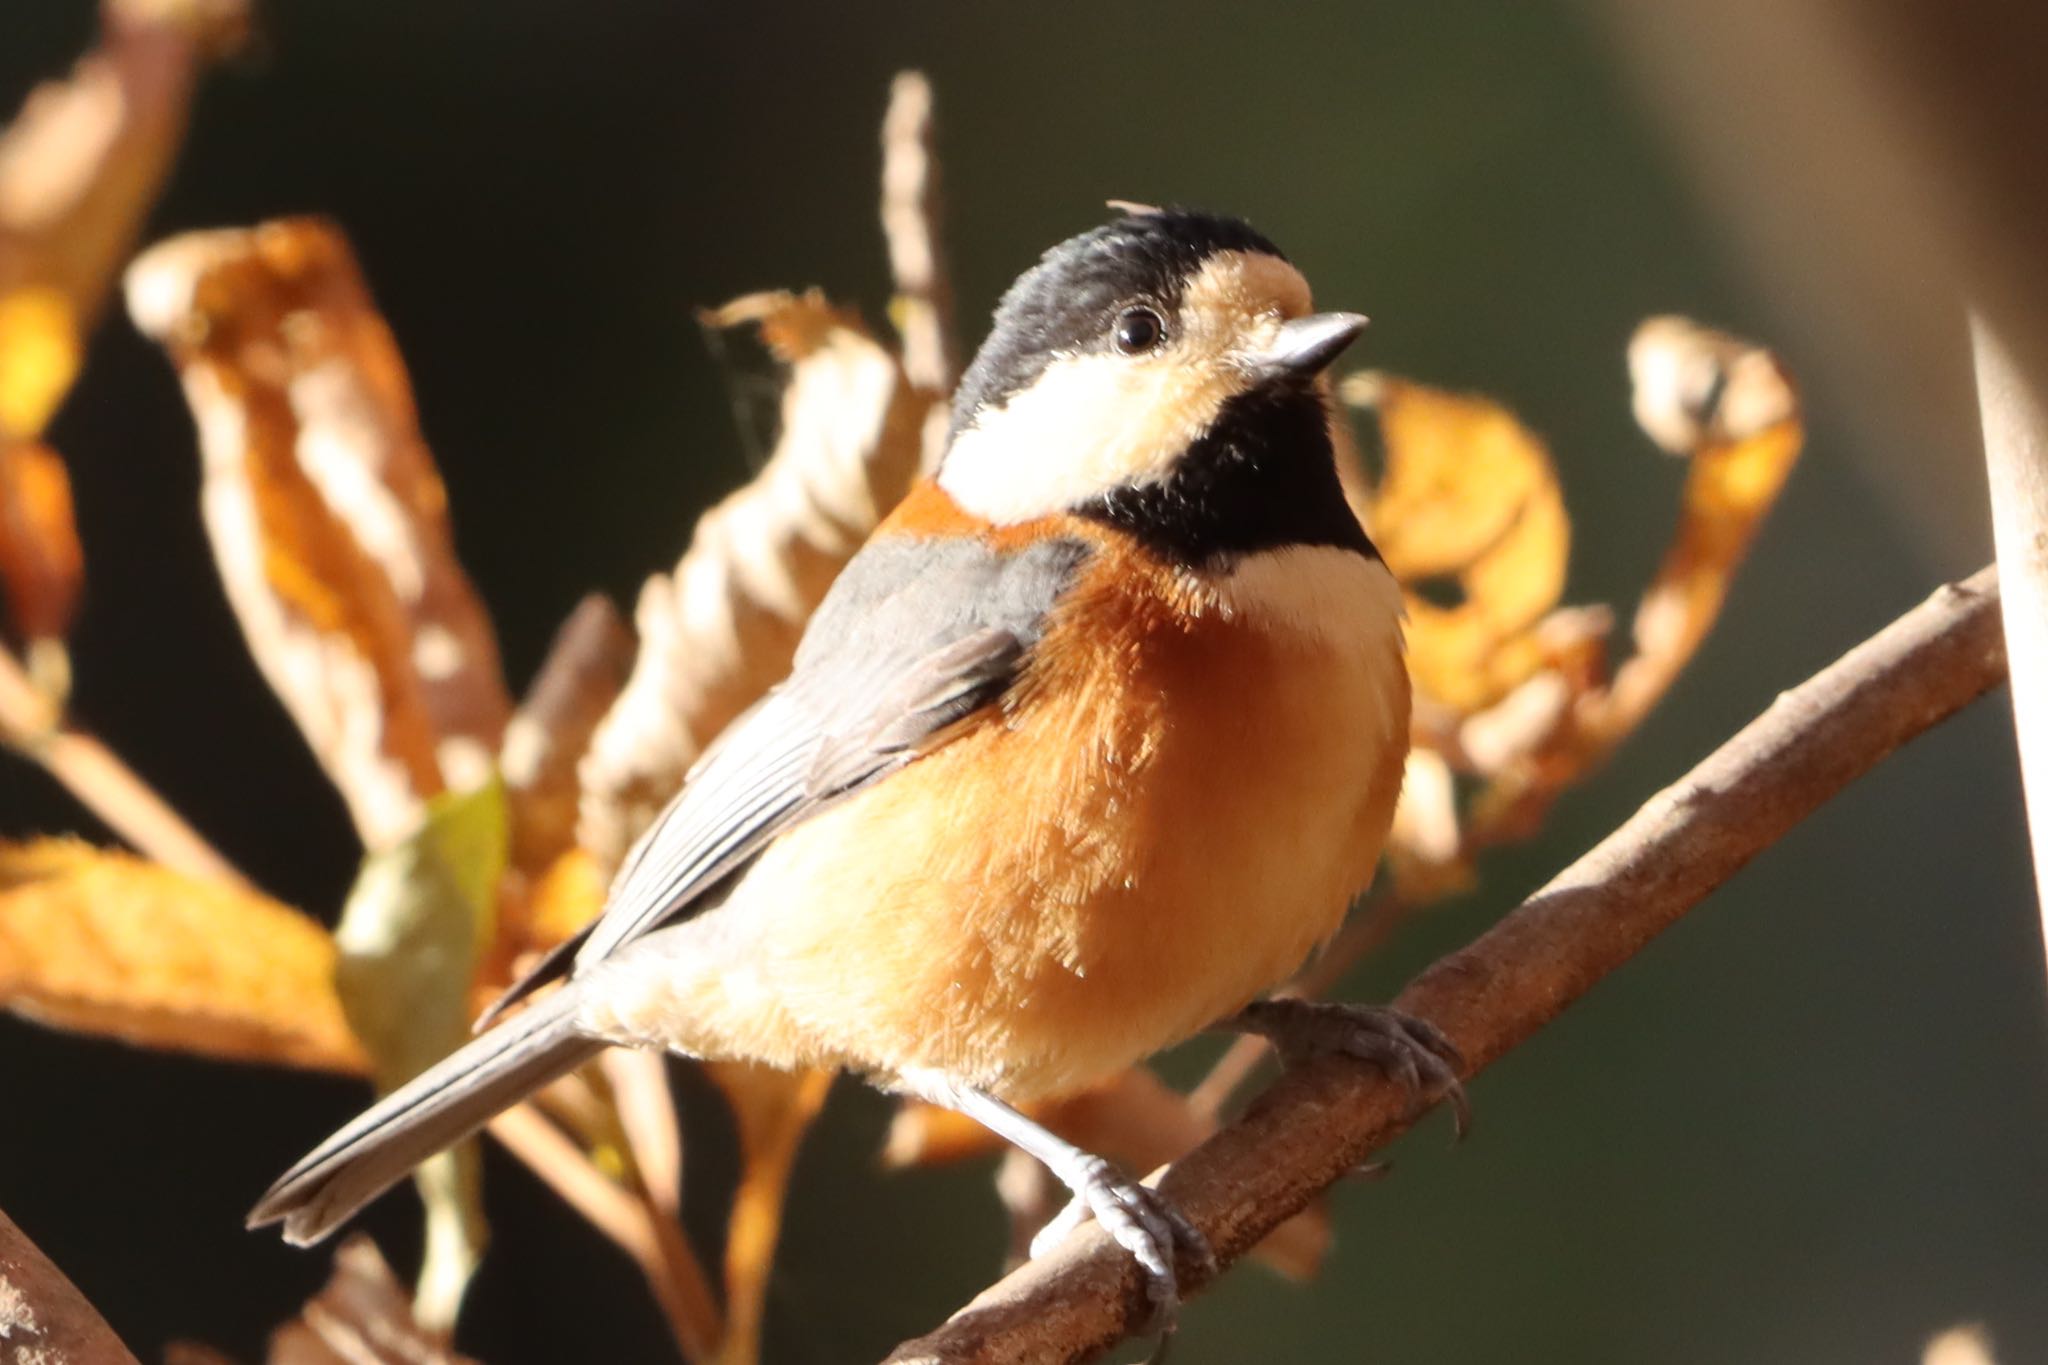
(1138, 330)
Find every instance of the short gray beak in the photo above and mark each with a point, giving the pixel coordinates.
(1306, 346)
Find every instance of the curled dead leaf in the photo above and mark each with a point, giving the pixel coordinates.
(41, 565)
(1468, 497)
(1734, 411)
(579, 680)
(40, 350)
(328, 520)
(722, 628)
(102, 942)
(79, 168)
(1510, 687)
(361, 1317)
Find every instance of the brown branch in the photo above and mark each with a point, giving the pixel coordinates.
(1325, 1119)
(43, 1317)
(105, 785)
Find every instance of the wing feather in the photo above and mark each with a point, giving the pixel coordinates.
(915, 638)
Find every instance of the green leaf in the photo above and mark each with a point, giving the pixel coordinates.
(416, 922)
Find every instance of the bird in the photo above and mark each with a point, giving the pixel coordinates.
(1093, 742)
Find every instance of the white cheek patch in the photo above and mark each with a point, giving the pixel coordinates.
(1089, 424)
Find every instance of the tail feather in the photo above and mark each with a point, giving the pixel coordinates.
(442, 1105)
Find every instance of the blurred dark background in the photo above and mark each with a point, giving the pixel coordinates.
(1805, 1126)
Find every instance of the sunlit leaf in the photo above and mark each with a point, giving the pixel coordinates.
(80, 166)
(579, 680)
(41, 565)
(328, 521)
(1468, 507)
(39, 355)
(103, 942)
(564, 899)
(721, 628)
(410, 938)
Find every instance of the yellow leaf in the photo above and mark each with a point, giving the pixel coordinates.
(39, 354)
(410, 938)
(1468, 495)
(328, 520)
(567, 898)
(1731, 407)
(103, 942)
(79, 169)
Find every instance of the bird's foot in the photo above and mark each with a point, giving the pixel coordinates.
(1143, 1221)
(1413, 1051)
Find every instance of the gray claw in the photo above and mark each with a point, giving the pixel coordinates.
(1144, 1223)
(1412, 1051)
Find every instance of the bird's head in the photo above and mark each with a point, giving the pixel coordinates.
(1157, 372)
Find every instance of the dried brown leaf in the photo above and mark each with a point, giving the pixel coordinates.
(79, 168)
(922, 308)
(1538, 711)
(41, 565)
(1729, 405)
(722, 628)
(361, 1317)
(328, 520)
(103, 942)
(582, 676)
(1468, 496)
(39, 357)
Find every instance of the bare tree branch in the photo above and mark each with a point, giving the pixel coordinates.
(101, 781)
(1325, 1119)
(43, 1317)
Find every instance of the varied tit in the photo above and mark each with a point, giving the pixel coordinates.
(1092, 743)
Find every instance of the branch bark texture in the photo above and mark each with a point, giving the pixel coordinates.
(44, 1320)
(1323, 1120)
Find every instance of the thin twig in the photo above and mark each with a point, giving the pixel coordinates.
(1326, 1118)
(2016, 459)
(106, 786)
(43, 1317)
(633, 1223)
(646, 1108)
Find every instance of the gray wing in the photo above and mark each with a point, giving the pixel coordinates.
(914, 637)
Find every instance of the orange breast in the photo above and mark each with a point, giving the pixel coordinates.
(1189, 790)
